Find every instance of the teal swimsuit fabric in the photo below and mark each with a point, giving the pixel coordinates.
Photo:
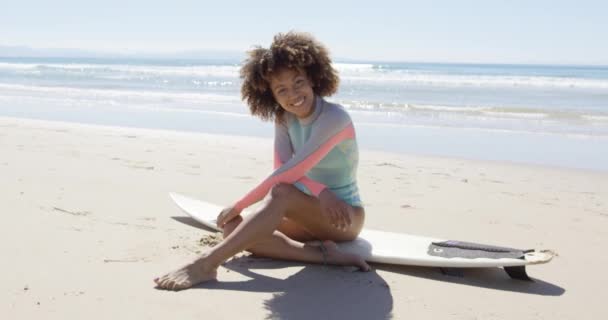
(338, 169)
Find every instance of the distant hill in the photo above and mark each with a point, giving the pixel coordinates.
(29, 52)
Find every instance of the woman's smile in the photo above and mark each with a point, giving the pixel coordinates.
(293, 91)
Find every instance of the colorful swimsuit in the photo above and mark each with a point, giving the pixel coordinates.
(314, 153)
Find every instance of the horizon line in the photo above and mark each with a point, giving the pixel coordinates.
(190, 54)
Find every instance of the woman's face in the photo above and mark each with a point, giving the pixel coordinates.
(293, 91)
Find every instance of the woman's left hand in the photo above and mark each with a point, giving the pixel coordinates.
(337, 211)
(226, 215)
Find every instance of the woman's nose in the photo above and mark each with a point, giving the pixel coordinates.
(291, 92)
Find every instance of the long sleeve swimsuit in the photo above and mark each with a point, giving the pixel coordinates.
(313, 153)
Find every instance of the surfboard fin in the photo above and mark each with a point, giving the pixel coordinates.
(518, 272)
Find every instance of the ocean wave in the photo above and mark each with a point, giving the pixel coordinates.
(537, 113)
(354, 67)
(350, 73)
(233, 99)
(576, 135)
(394, 77)
(112, 94)
(600, 118)
(218, 71)
(517, 119)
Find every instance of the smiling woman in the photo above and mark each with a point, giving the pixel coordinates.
(314, 194)
(289, 55)
(292, 90)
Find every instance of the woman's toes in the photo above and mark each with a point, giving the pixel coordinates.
(365, 267)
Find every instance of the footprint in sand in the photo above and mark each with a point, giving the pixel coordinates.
(388, 164)
(441, 174)
(74, 213)
(494, 181)
(141, 167)
(525, 226)
(136, 164)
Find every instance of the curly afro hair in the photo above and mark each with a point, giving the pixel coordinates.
(293, 50)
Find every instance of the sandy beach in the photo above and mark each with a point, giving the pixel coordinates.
(88, 225)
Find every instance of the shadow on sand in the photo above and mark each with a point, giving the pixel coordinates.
(489, 278)
(337, 293)
(315, 292)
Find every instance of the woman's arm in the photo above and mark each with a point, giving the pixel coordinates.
(331, 128)
(283, 151)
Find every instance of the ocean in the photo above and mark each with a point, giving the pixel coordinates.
(535, 114)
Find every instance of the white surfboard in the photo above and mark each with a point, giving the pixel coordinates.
(404, 249)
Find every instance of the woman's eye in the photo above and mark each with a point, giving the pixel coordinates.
(281, 92)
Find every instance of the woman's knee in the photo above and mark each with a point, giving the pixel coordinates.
(231, 225)
(282, 191)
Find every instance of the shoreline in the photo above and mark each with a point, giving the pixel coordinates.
(422, 141)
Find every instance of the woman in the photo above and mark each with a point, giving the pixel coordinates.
(314, 195)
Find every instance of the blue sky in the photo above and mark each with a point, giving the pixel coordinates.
(514, 31)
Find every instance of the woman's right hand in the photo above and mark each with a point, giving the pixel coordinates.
(226, 215)
(337, 211)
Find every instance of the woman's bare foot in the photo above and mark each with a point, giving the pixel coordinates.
(199, 271)
(337, 257)
(187, 276)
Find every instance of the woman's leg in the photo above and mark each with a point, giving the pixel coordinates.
(291, 242)
(257, 233)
